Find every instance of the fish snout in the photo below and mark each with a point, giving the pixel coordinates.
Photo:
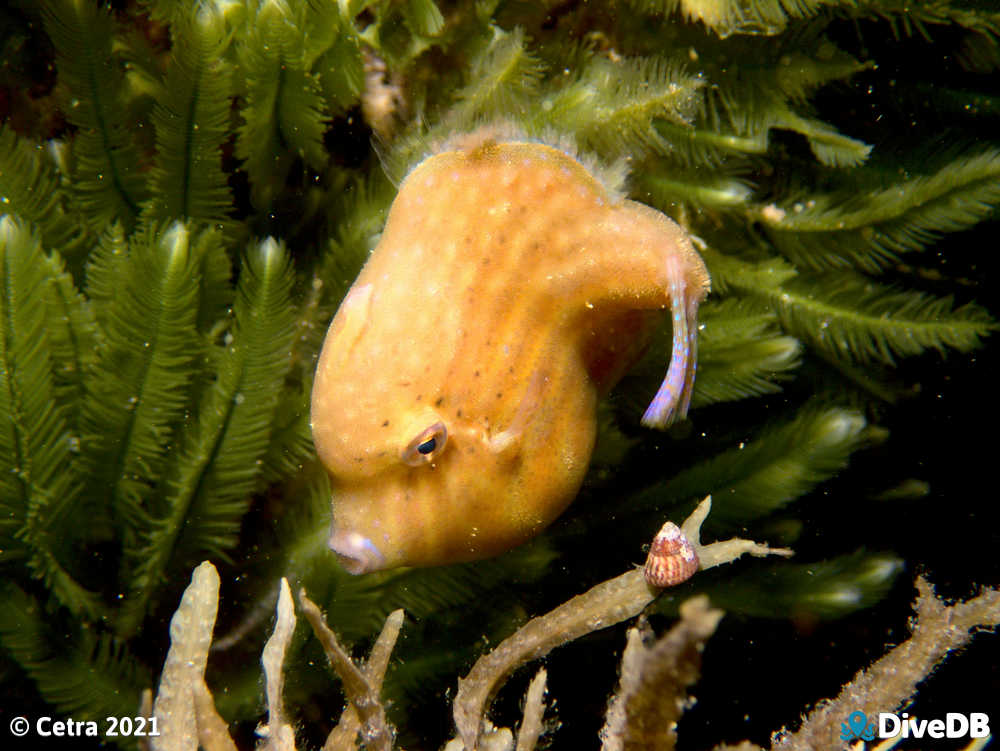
(356, 553)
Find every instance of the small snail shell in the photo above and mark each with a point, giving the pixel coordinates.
(672, 558)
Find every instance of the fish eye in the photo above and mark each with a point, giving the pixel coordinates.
(427, 446)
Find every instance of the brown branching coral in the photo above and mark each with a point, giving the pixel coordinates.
(342, 737)
(362, 692)
(652, 692)
(534, 710)
(891, 682)
(601, 606)
(651, 697)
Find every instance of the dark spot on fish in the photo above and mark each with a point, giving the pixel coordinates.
(468, 239)
(458, 414)
(476, 374)
(385, 424)
(359, 459)
(501, 239)
(438, 403)
(419, 397)
(499, 395)
(510, 369)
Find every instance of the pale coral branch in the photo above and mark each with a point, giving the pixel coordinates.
(652, 690)
(726, 551)
(606, 604)
(190, 638)
(357, 687)
(378, 660)
(278, 734)
(534, 710)
(891, 682)
(213, 732)
(342, 737)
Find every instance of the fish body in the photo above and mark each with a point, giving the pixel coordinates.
(454, 404)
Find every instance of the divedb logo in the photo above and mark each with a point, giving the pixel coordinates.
(889, 725)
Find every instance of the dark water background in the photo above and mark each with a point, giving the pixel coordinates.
(759, 675)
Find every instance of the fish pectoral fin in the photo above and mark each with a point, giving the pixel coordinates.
(503, 442)
(508, 440)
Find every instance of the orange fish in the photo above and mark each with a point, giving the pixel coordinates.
(454, 404)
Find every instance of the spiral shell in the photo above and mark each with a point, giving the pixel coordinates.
(672, 558)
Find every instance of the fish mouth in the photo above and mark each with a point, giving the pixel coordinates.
(355, 552)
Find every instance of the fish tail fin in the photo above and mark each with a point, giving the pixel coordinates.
(674, 395)
(692, 357)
